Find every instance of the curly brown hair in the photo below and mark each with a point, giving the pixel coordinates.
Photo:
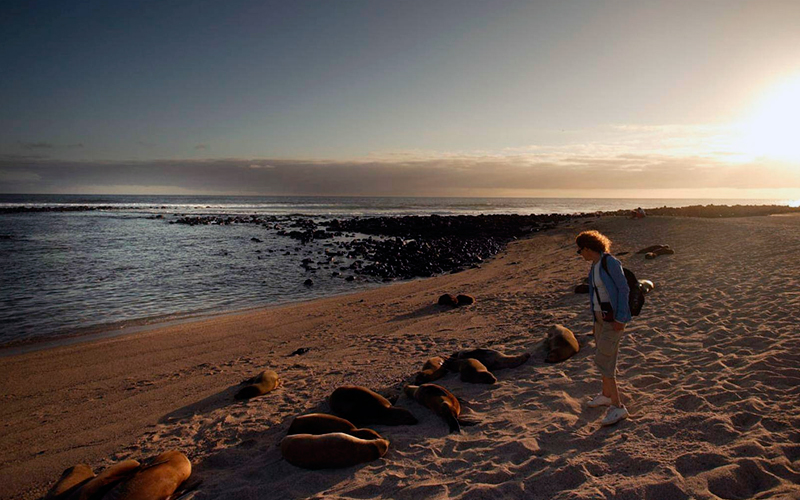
(594, 240)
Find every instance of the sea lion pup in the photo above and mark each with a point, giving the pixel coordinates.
(492, 359)
(465, 300)
(261, 384)
(473, 371)
(322, 423)
(157, 480)
(97, 487)
(331, 451)
(363, 407)
(448, 299)
(433, 369)
(560, 344)
(439, 400)
(69, 482)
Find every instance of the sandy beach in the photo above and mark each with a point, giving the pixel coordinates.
(709, 372)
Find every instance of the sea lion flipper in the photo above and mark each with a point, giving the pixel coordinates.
(452, 422)
(186, 488)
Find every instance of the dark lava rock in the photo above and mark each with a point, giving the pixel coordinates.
(448, 299)
(350, 278)
(308, 282)
(256, 240)
(299, 352)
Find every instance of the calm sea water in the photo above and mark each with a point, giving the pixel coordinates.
(68, 272)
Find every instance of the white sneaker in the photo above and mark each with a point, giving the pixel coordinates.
(599, 400)
(615, 414)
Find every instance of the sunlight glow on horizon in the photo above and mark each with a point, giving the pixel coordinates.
(772, 130)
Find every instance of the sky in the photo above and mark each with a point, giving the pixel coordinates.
(595, 98)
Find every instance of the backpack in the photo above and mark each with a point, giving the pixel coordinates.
(636, 295)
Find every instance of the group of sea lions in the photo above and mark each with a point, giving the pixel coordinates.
(318, 440)
(163, 477)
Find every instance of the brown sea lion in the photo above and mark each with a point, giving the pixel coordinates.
(433, 369)
(157, 480)
(473, 371)
(96, 487)
(465, 300)
(322, 423)
(261, 384)
(439, 400)
(653, 248)
(331, 451)
(70, 481)
(492, 359)
(448, 300)
(560, 344)
(363, 407)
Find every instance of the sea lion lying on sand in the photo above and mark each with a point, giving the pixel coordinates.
(473, 371)
(330, 451)
(448, 300)
(97, 487)
(322, 423)
(440, 401)
(433, 369)
(363, 407)
(560, 344)
(655, 249)
(261, 384)
(70, 481)
(155, 481)
(465, 300)
(492, 359)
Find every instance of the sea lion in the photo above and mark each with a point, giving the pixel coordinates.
(465, 300)
(96, 487)
(560, 344)
(439, 400)
(492, 359)
(331, 451)
(322, 423)
(157, 480)
(654, 248)
(433, 369)
(363, 407)
(473, 371)
(69, 482)
(261, 384)
(650, 255)
(448, 300)
(646, 286)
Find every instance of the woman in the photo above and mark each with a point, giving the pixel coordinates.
(608, 297)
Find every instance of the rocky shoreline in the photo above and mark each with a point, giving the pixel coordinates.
(407, 247)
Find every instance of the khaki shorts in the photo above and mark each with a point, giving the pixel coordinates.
(607, 341)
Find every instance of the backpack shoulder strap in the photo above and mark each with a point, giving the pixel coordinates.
(603, 262)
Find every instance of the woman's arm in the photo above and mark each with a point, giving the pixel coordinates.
(622, 312)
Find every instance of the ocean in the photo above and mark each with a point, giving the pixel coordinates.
(65, 272)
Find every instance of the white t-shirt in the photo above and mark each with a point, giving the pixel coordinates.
(599, 286)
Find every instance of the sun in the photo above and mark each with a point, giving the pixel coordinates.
(773, 130)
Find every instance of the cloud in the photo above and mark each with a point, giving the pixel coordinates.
(18, 176)
(48, 145)
(448, 176)
(201, 147)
